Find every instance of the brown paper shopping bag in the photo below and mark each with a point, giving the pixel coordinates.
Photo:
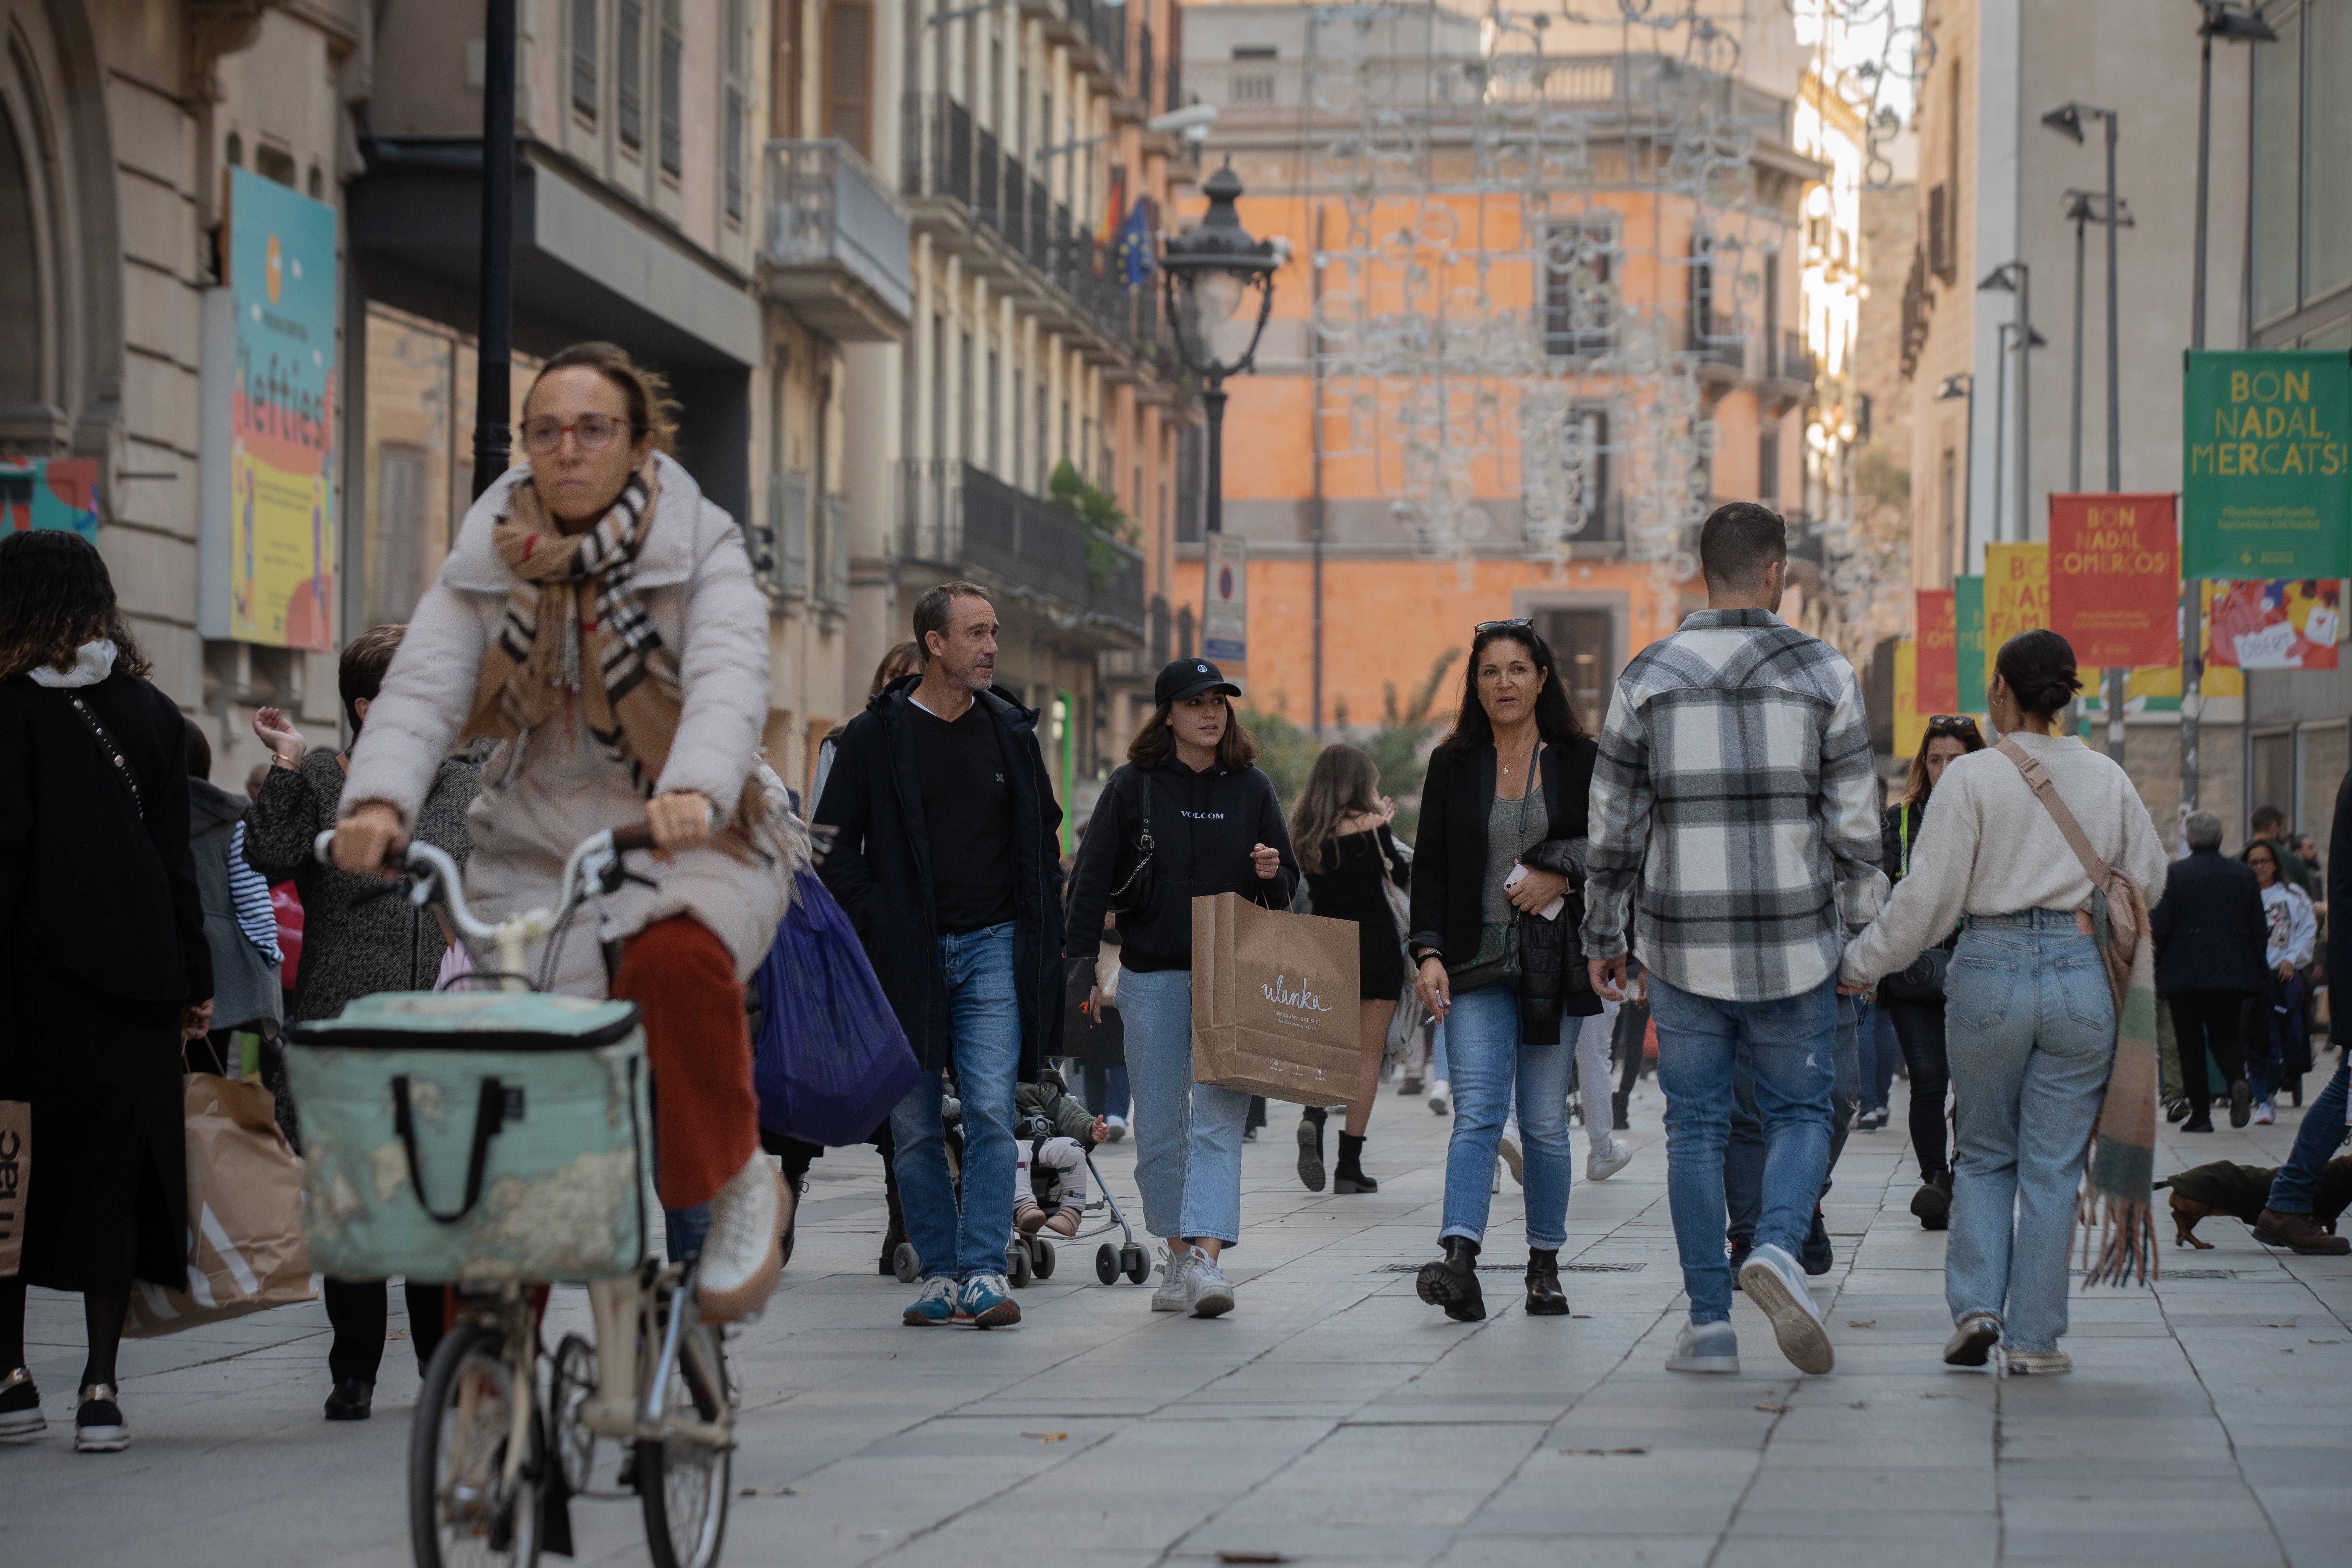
(245, 1215)
(15, 1178)
(1275, 1001)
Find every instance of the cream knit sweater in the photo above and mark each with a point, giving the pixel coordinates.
(1988, 846)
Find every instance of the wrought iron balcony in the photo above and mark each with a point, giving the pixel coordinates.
(967, 522)
(836, 247)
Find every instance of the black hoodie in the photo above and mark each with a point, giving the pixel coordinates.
(1203, 824)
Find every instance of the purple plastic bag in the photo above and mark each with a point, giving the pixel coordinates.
(830, 1061)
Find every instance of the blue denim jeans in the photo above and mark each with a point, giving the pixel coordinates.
(1791, 1043)
(1743, 1159)
(1487, 1060)
(984, 1012)
(1101, 1089)
(2029, 1028)
(2315, 1144)
(1187, 1136)
(1879, 1052)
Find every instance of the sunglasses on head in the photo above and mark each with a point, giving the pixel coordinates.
(1951, 724)
(1483, 627)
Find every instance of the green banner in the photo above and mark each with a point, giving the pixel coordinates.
(1967, 617)
(2266, 464)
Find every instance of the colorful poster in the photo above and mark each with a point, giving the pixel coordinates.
(1224, 622)
(2016, 594)
(2266, 472)
(2277, 625)
(1938, 654)
(1910, 722)
(50, 492)
(282, 416)
(2114, 579)
(2156, 689)
(1968, 643)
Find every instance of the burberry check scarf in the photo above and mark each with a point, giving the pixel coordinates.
(574, 631)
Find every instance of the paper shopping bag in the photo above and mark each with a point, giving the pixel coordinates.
(1275, 1001)
(16, 1176)
(245, 1215)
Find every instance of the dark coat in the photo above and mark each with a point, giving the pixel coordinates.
(101, 943)
(1449, 868)
(879, 870)
(1203, 826)
(2209, 928)
(2339, 913)
(245, 993)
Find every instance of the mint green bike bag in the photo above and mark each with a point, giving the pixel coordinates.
(474, 1136)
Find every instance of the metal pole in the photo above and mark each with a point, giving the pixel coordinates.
(2075, 433)
(2115, 351)
(2193, 696)
(1315, 405)
(2000, 421)
(1969, 486)
(494, 330)
(1213, 403)
(2025, 404)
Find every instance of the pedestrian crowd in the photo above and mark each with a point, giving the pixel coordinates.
(1711, 865)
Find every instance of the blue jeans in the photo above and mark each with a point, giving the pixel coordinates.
(1743, 1159)
(1187, 1136)
(1487, 1057)
(1877, 1052)
(1102, 1090)
(2315, 1144)
(2029, 1028)
(984, 1012)
(1791, 1042)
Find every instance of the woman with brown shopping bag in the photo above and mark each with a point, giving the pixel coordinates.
(1501, 849)
(1189, 816)
(103, 928)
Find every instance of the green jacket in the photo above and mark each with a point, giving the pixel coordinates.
(1045, 1109)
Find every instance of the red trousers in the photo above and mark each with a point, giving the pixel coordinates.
(707, 1117)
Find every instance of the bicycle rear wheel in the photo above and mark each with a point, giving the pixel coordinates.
(684, 1482)
(460, 1513)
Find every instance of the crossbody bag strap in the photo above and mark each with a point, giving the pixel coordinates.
(105, 744)
(2046, 789)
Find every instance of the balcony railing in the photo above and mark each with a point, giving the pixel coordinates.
(831, 222)
(962, 519)
(1796, 362)
(1104, 26)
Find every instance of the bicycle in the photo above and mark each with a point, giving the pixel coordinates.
(491, 1471)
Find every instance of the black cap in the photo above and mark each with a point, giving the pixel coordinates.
(1185, 678)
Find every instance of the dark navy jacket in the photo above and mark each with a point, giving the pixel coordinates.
(2209, 928)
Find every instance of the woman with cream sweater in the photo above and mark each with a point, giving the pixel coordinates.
(2029, 1017)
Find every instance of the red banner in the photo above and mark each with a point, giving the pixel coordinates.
(2114, 579)
(1939, 650)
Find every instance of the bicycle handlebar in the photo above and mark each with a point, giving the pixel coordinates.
(427, 867)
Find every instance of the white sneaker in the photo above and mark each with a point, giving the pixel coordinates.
(1607, 1160)
(1441, 1097)
(1115, 1128)
(1705, 1347)
(1515, 1160)
(1172, 1296)
(1771, 1279)
(741, 1256)
(1207, 1292)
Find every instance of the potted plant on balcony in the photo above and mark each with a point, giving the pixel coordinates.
(1106, 526)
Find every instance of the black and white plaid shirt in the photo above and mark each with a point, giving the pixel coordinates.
(1735, 785)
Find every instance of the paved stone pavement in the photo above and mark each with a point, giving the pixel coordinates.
(1332, 1417)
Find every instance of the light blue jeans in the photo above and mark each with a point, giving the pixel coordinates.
(985, 1011)
(1187, 1136)
(1487, 1058)
(2029, 1026)
(1791, 1045)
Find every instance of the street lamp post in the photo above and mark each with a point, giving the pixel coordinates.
(1964, 385)
(2016, 278)
(494, 328)
(1209, 268)
(2083, 207)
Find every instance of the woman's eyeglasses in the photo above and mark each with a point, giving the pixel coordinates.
(1951, 724)
(1483, 627)
(594, 432)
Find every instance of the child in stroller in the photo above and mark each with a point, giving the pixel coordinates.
(1052, 1132)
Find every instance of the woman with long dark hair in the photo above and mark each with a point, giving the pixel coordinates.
(1501, 846)
(1340, 830)
(107, 971)
(1192, 815)
(1914, 999)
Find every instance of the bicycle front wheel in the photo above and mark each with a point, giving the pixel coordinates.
(683, 1480)
(461, 1512)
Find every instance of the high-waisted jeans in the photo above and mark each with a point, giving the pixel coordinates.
(1488, 1059)
(1187, 1136)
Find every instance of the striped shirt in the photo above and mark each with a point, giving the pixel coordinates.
(248, 893)
(1734, 810)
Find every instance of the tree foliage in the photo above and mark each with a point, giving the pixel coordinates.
(1106, 526)
(1399, 745)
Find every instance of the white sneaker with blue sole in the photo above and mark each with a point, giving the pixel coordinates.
(1705, 1347)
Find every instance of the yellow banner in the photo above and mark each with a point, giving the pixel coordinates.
(2016, 594)
(1910, 725)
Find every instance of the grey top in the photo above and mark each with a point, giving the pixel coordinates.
(1511, 827)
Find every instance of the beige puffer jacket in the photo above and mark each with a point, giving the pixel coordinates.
(543, 793)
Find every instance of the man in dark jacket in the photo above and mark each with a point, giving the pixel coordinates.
(947, 856)
(2287, 1221)
(2210, 937)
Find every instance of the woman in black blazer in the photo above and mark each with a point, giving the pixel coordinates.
(1491, 857)
(107, 970)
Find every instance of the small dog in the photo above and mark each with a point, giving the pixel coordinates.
(2241, 1191)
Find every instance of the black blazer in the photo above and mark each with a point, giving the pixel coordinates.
(1449, 861)
(2209, 928)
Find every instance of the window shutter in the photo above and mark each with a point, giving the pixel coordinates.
(583, 56)
(792, 527)
(848, 71)
(836, 550)
(673, 89)
(629, 74)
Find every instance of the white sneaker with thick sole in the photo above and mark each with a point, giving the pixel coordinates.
(2036, 1364)
(1115, 1128)
(741, 1256)
(1705, 1347)
(1172, 1296)
(1207, 1292)
(1771, 1279)
(1607, 1160)
(1441, 1097)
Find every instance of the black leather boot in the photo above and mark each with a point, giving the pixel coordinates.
(1350, 1177)
(1453, 1282)
(1545, 1297)
(1618, 1120)
(1933, 1202)
(1310, 1148)
(895, 1232)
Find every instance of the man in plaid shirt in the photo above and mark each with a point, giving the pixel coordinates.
(1735, 810)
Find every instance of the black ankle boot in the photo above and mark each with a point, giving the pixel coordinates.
(1618, 1120)
(894, 1233)
(1545, 1297)
(1453, 1282)
(1311, 1149)
(1350, 1177)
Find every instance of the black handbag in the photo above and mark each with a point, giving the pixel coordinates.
(1134, 895)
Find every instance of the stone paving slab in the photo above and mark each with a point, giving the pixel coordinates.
(1332, 1417)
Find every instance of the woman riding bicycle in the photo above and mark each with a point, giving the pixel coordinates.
(599, 619)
